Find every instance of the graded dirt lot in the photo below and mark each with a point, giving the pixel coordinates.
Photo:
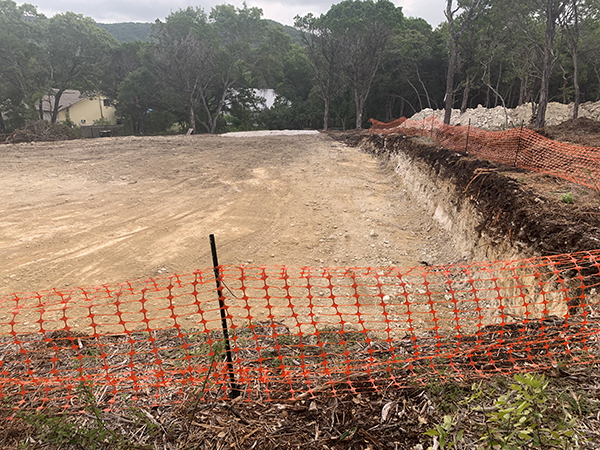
(91, 212)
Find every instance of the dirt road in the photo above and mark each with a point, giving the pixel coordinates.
(90, 212)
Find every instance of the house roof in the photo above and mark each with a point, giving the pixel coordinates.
(67, 99)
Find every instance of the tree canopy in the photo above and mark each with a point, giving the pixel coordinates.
(206, 70)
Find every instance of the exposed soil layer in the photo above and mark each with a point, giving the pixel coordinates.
(582, 131)
(526, 211)
(96, 211)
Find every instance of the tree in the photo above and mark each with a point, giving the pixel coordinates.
(208, 61)
(182, 56)
(22, 76)
(406, 74)
(136, 97)
(575, 21)
(323, 49)
(76, 49)
(471, 10)
(551, 9)
(365, 29)
(240, 35)
(120, 62)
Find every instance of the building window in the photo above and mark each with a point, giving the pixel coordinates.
(106, 102)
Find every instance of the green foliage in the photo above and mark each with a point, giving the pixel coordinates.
(136, 98)
(360, 58)
(568, 198)
(60, 430)
(446, 438)
(525, 416)
(128, 31)
(101, 121)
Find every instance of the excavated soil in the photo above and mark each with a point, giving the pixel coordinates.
(513, 212)
(91, 212)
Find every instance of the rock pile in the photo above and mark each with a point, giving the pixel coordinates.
(499, 118)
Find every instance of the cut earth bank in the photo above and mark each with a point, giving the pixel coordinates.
(493, 211)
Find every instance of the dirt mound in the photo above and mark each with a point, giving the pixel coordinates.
(499, 118)
(581, 131)
(42, 131)
(581, 124)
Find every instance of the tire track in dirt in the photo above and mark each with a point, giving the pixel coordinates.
(92, 212)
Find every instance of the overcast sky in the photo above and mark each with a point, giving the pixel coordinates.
(283, 11)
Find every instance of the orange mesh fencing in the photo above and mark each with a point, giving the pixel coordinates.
(296, 332)
(520, 147)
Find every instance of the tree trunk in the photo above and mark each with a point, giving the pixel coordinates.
(577, 98)
(389, 106)
(551, 15)
(509, 96)
(326, 115)
(192, 115)
(465, 99)
(564, 86)
(498, 85)
(359, 109)
(597, 76)
(449, 99)
(418, 95)
(424, 88)
(523, 91)
(2, 126)
(57, 97)
(575, 45)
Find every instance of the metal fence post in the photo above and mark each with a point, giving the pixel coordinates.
(519, 143)
(467, 144)
(235, 389)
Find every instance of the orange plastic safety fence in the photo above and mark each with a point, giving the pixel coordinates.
(296, 332)
(520, 147)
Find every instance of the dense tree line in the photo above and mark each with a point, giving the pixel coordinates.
(363, 58)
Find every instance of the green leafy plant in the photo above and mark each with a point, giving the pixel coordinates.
(102, 121)
(568, 198)
(446, 438)
(524, 418)
(60, 430)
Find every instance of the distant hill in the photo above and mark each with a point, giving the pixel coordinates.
(128, 31)
(294, 34)
(137, 31)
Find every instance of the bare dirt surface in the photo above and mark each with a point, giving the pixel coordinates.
(536, 213)
(104, 211)
(91, 212)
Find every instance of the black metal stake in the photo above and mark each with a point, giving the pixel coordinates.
(235, 388)
(519, 143)
(467, 144)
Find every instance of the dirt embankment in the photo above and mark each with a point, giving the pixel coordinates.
(492, 211)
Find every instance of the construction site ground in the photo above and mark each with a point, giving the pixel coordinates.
(90, 212)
